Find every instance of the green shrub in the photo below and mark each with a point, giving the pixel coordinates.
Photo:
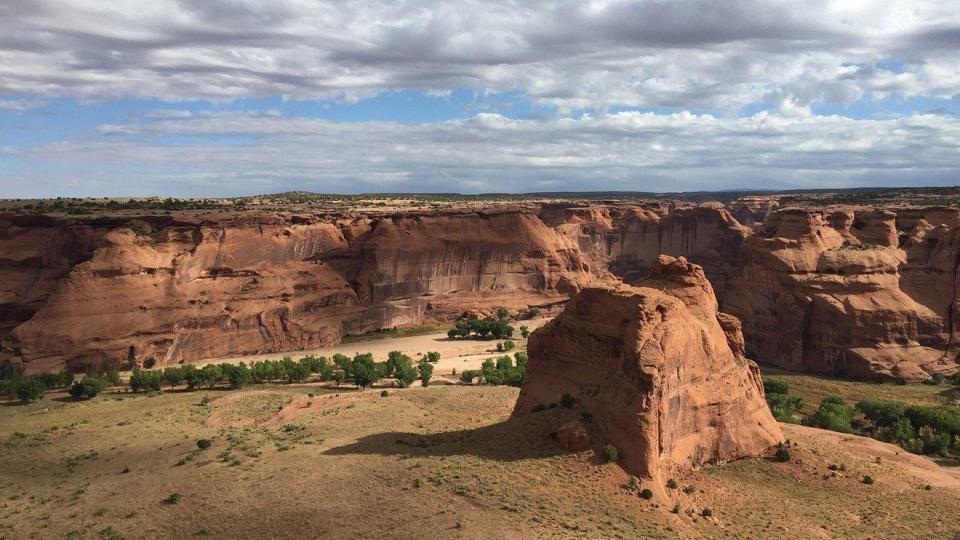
(672, 484)
(567, 400)
(364, 370)
(406, 373)
(646, 494)
(426, 372)
(610, 453)
(150, 381)
(868, 480)
(942, 418)
(481, 329)
(29, 389)
(706, 512)
(240, 375)
(900, 433)
(173, 498)
(676, 509)
(59, 379)
(173, 376)
(775, 386)
(882, 413)
(524, 332)
(433, 357)
(782, 454)
(87, 388)
(933, 441)
(784, 408)
(833, 414)
(203, 444)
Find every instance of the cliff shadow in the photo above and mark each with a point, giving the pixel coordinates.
(514, 439)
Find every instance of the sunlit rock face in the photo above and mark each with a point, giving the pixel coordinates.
(859, 293)
(652, 366)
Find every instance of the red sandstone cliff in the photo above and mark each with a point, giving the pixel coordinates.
(867, 293)
(652, 365)
(862, 293)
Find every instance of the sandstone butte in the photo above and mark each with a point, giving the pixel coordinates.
(855, 292)
(654, 368)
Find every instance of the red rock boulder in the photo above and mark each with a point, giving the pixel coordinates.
(652, 365)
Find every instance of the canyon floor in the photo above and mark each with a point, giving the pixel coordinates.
(445, 461)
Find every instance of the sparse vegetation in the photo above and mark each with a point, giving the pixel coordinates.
(610, 453)
(834, 414)
(481, 329)
(87, 388)
(426, 372)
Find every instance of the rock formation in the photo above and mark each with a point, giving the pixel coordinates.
(858, 293)
(84, 292)
(652, 364)
(855, 292)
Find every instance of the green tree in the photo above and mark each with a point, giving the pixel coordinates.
(173, 376)
(775, 386)
(210, 375)
(29, 389)
(240, 375)
(426, 372)
(502, 313)
(405, 372)
(833, 414)
(364, 370)
(433, 357)
(87, 388)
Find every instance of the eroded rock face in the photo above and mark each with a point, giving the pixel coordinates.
(859, 293)
(627, 240)
(81, 293)
(186, 290)
(651, 363)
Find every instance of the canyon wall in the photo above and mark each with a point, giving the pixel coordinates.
(855, 292)
(858, 293)
(81, 294)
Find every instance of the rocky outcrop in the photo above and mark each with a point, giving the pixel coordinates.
(858, 293)
(652, 365)
(627, 240)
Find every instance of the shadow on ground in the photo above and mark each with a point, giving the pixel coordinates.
(515, 439)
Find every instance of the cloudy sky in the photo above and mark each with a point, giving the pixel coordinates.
(234, 97)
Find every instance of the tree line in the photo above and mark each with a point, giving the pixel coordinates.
(920, 429)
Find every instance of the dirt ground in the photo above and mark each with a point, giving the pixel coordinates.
(444, 461)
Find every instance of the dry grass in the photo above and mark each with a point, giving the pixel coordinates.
(439, 461)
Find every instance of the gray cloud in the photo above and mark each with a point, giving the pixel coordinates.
(255, 153)
(689, 54)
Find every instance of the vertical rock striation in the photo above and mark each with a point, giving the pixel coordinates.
(653, 366)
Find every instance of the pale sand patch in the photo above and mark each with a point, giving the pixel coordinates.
(456, 354)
